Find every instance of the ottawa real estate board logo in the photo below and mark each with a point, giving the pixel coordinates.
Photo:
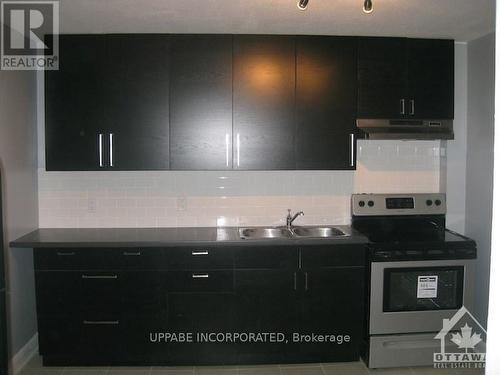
(29, 35)
(463, 341)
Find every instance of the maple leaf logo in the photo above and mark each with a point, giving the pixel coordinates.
(466, 340)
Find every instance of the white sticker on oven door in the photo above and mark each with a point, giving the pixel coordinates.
(427, 287)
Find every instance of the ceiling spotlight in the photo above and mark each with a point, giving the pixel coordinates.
(368, 6)
(302, 4)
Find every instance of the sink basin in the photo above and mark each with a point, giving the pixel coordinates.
(263, 233)
(318, 232)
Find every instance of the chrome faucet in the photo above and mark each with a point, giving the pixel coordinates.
(290, 219)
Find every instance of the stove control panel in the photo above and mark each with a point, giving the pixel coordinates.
(398, 204)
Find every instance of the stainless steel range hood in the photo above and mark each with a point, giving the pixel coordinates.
(405, 129)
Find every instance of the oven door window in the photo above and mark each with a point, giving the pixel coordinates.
(423, 289)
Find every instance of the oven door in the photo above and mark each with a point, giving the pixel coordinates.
(415, 296)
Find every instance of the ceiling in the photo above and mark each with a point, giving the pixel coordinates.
(462, 20)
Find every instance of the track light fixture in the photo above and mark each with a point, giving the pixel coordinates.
(302, 4)
(368, 6)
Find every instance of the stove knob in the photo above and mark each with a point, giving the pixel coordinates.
(361, 203)
(371, 203)
(428, 202)
(437, 202)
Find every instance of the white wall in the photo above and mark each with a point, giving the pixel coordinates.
(454, 164)
(493, 344)
(479, 188)
(18, 166)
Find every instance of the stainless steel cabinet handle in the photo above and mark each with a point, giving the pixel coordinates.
(132, 254)
(62, 254)
(306, 280)
(227, 149)
(295, 281)
(111, 161)
(402, 109)
(238, 149)
(352, 149)
(199, 275)
(412, 107)
(101, 322)
(101, 164)
(100, 277)
(197, 253)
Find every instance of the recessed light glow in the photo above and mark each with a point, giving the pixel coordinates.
(302, 4)
(368, 6)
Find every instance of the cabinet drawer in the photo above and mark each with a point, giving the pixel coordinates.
(332, 256)
(200, 281)
(93, 295)
(196, 258)
(97, 258)
(79, 338)
(266, 257)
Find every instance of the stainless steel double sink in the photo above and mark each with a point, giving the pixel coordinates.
(258, 233)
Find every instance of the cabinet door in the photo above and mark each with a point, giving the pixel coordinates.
(264, 102)
(201, 102)
(326, 102)
(267, 302)
(431, 76)
(74, 105)
(382, 78)
(333, 304)
(143, 316)
(137, 102)
(204, 316)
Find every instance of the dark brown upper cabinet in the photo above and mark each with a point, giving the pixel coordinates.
(137, 101)
(201, 102)
(402, 78)
(107, 108)
(74, 107)
(326, 103)
(431, 78)
(263, 102)
(242, 102)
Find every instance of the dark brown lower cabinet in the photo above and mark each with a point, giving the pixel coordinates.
(267, 304)
(249, 305)
(205, 316)
(330, 310)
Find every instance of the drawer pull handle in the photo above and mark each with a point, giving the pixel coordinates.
(200, 275)
(100, 277)
(101, 322)
(132, 254)
(63, 254)
(196, 253)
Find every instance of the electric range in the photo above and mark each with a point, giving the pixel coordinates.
(420, 273)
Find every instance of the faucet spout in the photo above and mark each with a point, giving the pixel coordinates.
(290, 219)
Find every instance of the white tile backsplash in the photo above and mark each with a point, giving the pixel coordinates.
(171, 198)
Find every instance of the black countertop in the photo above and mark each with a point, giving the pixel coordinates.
(157, 237)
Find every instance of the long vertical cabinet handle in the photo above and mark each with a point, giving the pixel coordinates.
(306, 280)
(402, 109)
(353, 144)
(295, 281)
(111, 161)
(412, 107)
(238, 149)
(227, 149)
(100, 138)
